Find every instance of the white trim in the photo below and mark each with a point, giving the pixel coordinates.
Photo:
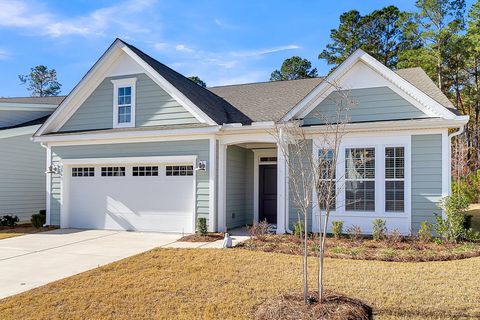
(8, 133)
(108, 137)
(212, 178)
(124, 83)
(379, 143)
(426, 102)
(130, 160)
(282, 224)
(48, 180)
(222, 187)
(257, 154)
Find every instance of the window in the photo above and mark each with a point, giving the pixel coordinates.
(326, 188)
(124, 103)
(394, 179)
(145, 171)
(179, 170)
(113, 171)
(360, 179)
(83, 172)
(268, 159)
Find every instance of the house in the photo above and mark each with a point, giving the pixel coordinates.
(23, 162)
(137, 146)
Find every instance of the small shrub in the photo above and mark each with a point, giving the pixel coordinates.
(354, 233)
(394, 236)
(38, 220)
(467, 221)
(425, 232)
(202, 226)
(379, 229)
(259, 230)
(452, 227)
(472, 235)
(42, 212)
(337, 229)
(468, 187)
(299, 228)
(9, 220)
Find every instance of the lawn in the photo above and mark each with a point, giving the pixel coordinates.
(227, 284)
(20, 230)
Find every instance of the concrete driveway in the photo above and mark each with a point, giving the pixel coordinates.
(33, 260)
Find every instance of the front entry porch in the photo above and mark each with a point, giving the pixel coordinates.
(249, 185)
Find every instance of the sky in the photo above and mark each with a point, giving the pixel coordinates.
(222, 42)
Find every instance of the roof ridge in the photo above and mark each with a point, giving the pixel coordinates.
(263, 82)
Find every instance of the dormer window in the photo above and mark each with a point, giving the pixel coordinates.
(124, 103)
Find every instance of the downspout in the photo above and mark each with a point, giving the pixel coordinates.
(48, 183)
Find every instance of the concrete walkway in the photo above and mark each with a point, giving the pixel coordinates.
(34, 260)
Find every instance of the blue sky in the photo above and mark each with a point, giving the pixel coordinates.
(223, 42)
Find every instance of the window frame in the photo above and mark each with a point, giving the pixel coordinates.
(405, 179)
(189, 170)
(374, 179)
(124, 83)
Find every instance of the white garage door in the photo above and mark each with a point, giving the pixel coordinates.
(142, 197)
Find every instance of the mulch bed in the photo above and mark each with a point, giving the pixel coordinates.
(292, 306)
(209, 237)
(406, 249)
(24, 228)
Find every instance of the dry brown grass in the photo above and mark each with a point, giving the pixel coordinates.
(20, 230)
(394, 248)
(227, 284)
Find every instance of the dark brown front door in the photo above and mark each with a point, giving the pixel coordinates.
(268, 193)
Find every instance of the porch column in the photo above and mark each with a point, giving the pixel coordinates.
(222, 187)
(281, 191)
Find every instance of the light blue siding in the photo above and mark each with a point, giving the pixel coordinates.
(239, 180)
(154, 107)
(143, 149)
(426, 178)
(293, 209)
(22, 176)
(10, 118)
(369, 104)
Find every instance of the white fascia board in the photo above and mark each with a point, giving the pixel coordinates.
(126, 134)
(306, 104)
(130, 160)
(169, 88)
(81, 91)
(393, 125)
(8, 133)
(7, 106)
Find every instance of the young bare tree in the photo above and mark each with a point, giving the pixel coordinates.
(312, 178)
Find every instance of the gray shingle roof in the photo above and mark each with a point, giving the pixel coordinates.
(422, 81)
(266, 101)
(215, 107)
(36, 100)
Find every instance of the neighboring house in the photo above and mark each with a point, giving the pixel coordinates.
(22, 161)
(128, 146)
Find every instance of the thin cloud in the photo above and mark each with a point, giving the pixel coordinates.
(261, 52)
(31, 16)
(223, 24)
(184, 48)
(4, 54)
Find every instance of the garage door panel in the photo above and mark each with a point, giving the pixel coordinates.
(153, 203)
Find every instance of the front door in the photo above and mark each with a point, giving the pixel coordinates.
(267, 209)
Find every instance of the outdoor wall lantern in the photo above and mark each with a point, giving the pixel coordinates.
(55, 169)
(202, 165)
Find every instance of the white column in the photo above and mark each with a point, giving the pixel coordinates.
(222, 187)
(212, 185)
(281, 191)
(48, 186)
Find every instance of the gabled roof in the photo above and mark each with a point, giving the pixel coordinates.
(266, 101)
(421, 99)
(422, 81)
(218, 109)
